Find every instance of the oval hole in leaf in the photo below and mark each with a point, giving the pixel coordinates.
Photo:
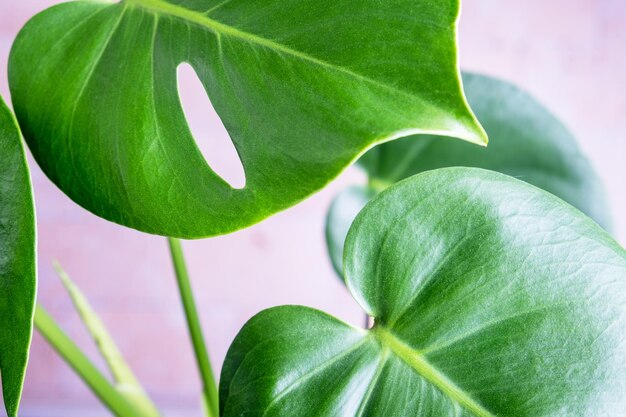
(207, 128)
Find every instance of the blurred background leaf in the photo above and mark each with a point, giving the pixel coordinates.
(124, 379)
(525, 141)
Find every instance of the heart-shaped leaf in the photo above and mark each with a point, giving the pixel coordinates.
(490, 298)
(526, 142)
(17, 261)
(302, 86)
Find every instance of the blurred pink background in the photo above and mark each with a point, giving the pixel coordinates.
(571, 54)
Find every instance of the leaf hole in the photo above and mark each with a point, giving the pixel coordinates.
(207, 128)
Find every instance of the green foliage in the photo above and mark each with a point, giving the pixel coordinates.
(125, 381)
(526, 142)
(303, 88)
(340, 216)
(110, 395)
(17, 261)
(490, 298)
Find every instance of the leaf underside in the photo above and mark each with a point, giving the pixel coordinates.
(526, 142)
(17, 261)
(302, 87)
(490, 298)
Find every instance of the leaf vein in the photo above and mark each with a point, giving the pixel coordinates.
(190, 16)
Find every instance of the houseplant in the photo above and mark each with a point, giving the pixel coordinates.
(301, 106)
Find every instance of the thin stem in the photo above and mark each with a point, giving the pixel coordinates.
(81, 364)
(209, 388)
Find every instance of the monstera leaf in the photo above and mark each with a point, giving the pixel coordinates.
(302, 86)
(526, 142)
(489, 296)
(17, 261)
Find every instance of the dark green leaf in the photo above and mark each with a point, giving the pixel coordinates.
(302, 86)
(17, 261)
(490, 298)
(525, 141)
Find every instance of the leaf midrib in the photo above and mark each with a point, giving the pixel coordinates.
(425, 369)
(165, 8)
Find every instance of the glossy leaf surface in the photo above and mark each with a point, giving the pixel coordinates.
(303, 88)
(490, 298)
(17, 261)
(526, 142)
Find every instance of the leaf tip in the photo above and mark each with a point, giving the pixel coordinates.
(472, 130)
(476, 135)
(12, 399)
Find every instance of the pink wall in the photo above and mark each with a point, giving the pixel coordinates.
(570, 53)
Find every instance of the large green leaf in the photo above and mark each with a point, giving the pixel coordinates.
(302, 86)
(490, 298)
(17, 261)
(526, 142)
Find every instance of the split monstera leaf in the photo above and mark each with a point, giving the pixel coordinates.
(17, 261)
(526, 142)
(302, 87)
(490, 297)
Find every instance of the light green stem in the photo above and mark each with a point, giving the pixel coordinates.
(81, 364)
(209, 387)
(124, 380)
(379, 185)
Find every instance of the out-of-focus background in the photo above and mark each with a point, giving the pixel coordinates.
(571, 54)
